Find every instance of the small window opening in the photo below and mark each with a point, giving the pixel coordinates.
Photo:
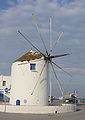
(32, 66)
(4, 83)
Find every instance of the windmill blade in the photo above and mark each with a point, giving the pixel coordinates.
(30, 43)
(50, 82)
(60, 55)
(50, 35)
(39, 78)
(57, 79)
(61, 69)
(50, 59)
(57, 40)
(40, 34)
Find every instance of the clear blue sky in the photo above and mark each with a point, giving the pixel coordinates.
(67, 16)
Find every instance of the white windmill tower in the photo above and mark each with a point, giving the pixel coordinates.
(30, 87)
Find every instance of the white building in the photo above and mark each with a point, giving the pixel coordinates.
(29, 80)
(5, 86)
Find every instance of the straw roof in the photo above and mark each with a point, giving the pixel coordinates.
(31, 55)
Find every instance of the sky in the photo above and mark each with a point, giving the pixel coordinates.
(67, 16)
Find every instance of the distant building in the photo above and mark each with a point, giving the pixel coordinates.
(5, 87)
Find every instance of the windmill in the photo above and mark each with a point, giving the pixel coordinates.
(48, 57)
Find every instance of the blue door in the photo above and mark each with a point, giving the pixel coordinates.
(17, 102)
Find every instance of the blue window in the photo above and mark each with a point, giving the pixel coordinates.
(32, 66)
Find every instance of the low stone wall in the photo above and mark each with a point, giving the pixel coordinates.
(38, 109)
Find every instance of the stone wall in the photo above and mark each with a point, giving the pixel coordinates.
(38, 109)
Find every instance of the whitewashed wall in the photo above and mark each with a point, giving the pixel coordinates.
(7, 79)
(24, 81)
(8, 84)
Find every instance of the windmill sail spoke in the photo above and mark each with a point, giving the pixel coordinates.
(39, 78)
(60, 55)
(57, 40)
(50, 59)
(50, 35)
(61, 69)
(40, 34)
(30, 43)
(57, 79)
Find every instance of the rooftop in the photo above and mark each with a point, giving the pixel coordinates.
(31, 55)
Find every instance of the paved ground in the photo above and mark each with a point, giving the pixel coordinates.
(79, 115)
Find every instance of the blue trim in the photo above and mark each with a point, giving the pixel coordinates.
(6, 89)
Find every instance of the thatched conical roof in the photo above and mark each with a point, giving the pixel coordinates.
(31, 55)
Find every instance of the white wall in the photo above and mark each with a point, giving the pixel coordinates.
(24, 81)
(38, 109)
(7, 79)
(8, 84)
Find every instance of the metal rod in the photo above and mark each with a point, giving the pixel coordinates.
(57, 40)
(57, 80)
(50, 59)
(61, 68)
(40, 34)
(60, 55)
(30, 43)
